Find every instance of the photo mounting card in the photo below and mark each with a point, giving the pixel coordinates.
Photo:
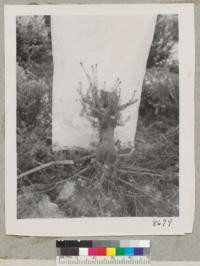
(99, 119)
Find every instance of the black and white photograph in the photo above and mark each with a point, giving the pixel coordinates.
(98, 115)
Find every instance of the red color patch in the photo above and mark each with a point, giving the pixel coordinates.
(101, 251)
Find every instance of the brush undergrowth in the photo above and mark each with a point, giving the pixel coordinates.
(146, 184)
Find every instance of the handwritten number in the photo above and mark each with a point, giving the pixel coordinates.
(162, 222)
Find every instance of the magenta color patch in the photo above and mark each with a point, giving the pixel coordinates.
(92, 251)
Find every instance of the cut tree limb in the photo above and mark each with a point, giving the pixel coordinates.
(139, 172)
(54, 185)
(136, 187)
(46, 165)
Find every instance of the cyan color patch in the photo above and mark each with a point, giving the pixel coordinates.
(129, 251)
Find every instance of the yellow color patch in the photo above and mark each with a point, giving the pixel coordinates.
(110, 251)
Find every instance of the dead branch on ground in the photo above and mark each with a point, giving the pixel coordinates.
(46, 165)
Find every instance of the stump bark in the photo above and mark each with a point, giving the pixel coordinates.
(106, 152)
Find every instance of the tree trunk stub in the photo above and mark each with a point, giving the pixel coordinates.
(106, 152)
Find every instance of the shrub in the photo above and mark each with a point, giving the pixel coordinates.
(164, 41)
(30, 99)
(160, 95)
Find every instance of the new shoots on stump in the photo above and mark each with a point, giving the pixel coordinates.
(103, 108)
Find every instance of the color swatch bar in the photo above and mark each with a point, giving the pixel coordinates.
(106, 251)
(113, 248)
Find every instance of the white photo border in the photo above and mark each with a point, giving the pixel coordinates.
(73, 227)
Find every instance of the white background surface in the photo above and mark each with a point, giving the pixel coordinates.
(119, 47)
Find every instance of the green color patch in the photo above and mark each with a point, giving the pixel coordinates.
(120, 251)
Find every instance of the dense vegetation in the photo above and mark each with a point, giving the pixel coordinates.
(146, 182)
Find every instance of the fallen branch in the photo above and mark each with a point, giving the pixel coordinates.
(145, 193)
(140, 169)
(54, 185)
(86, 157)
(134, 171)
(46, 165)
(126, 155)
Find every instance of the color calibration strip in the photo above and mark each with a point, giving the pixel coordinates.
(107, 251)
(103, 248)
(86, 252)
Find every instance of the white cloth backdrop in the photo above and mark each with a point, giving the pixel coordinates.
(120, 46)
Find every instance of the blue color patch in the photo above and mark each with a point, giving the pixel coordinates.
(129, 251)
(138, 251)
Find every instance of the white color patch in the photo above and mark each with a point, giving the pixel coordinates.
(83, 251)
(120, 45)
(145, 243)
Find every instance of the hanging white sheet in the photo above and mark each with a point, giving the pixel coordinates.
(120, 46)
